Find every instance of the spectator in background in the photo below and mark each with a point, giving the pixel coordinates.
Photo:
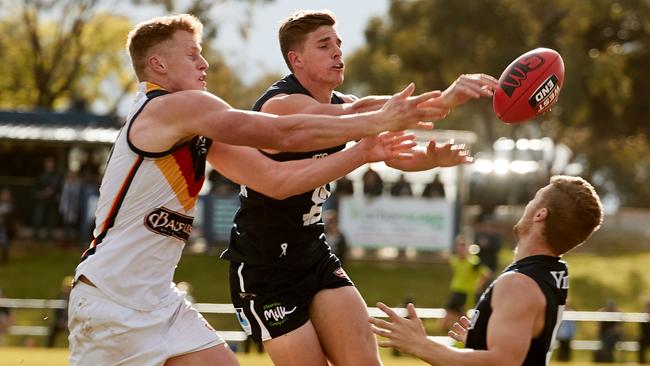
(46, 195)
(7, 224)
(565, 334)
(401, 188)
(373, 185)
(468, 274)
(60, 321)
(90, 176)
(70, 207)
(335, 238)
(5, 319)
(89, 168)
(434, 188)
(644, 336)
(344, 187)
(488, 238)
(609, 333)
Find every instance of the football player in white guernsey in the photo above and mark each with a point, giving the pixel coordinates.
(311, 48)
(124, 308)
(517, 317)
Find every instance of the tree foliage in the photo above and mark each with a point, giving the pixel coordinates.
(602, 113)
(58, 54)
(69, 54)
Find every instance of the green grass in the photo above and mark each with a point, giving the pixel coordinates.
(20, 356)
(37, 273)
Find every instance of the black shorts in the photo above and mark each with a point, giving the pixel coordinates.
(457, 301)
(271, 301)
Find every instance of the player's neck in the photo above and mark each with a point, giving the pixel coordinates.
(320, 91)
(161, 82)
(532, 245)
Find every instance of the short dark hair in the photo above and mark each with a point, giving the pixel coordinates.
(575, 212)
(149, 33)
(293, 30)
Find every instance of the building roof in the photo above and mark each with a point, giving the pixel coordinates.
(53, 126)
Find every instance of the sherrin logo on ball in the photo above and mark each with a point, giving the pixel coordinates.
(529, 86)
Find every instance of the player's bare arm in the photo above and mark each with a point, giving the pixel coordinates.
(518, 316)
(178, 116)
(280, 180)
(300, 103)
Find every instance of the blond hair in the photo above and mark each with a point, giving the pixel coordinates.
(294, 30)
(152, 32)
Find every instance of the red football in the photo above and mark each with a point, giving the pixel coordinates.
(529, 86)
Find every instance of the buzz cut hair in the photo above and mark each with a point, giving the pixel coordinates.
(294, 29)
(152, 32)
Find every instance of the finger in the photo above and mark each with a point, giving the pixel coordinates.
(425, 96)
(456, 337)
(458, 329)
(405, 147)
(391, 134)
(396, 140)
(424, 126)
(432, 113)
(403, 156)
(391, 314)
(465, 322)
(385, 344)
(468, 90)
(380, 332)
(380, 323)
(407, 92)
(411, 311)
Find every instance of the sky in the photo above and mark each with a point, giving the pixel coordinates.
(260, 54)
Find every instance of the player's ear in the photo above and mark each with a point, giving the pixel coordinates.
(156, 63)
(541, 214)
(294, 59)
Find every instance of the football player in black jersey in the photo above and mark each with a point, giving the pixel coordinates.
(516, 318)
(288, 288)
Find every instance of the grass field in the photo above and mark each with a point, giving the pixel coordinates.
(37, 272)
(58, 357)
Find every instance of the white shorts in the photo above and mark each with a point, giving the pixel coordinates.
(103, 332)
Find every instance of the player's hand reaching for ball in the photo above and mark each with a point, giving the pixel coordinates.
(387, 145)
(403, 113)
(466, 87)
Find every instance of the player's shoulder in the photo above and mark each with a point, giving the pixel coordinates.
(283, 103)
(347, 98)
(187, 103)
(518, 286)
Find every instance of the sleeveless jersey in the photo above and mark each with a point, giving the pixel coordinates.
(144, 216)
(281, 232)
(552, 277)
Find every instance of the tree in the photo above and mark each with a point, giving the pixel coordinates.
(60, 57)
(601, 113)
(69, 54)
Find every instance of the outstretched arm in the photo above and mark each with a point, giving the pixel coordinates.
(280, 180)
(211, 117)
(517, 305)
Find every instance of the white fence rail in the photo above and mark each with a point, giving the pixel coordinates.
(424, 313)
